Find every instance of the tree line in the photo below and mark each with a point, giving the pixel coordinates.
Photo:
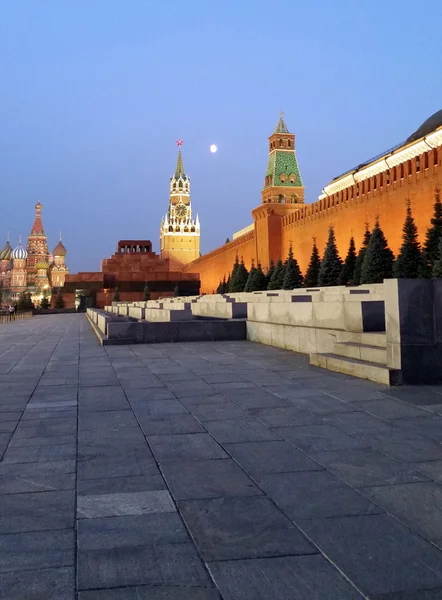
(373, 263)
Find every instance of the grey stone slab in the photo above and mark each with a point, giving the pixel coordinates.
(6, 416)
(43, 453)
(161, 408)
(284, 578)
(130, 531)
(429, 427)
(207, 479)
(247, 527)
(217, 411)
(322, 404)
(116, 485)
(140, 395)
(127, 464)
(176, 564)
(316, 438)
(171, 424)
(432, 469)
(31, 414)
(163, 592)
(399, 560)
(357, 422)
(115, 420)
(225, 377)
(185, 389)
(59, 440)
(36, 511)
(390, 408)
(421, 595)
(240, 430)
(403, 445)
(8, 426)
(284, 416)
(366, 467)
(416, 505)
(270, 457)
(44, 584)
(418, 396)
(49, 427)
(179, 375)
(258, 398)
(124, 503)
(37, 477)
(37, 550)
(195, 446)
(316, 494)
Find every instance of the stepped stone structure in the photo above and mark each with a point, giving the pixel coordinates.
(378, 187)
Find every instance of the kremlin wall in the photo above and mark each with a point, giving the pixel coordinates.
(378, 187)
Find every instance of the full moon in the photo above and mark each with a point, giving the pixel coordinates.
(213, 148)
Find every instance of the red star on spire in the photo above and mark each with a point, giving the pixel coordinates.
(179, 143)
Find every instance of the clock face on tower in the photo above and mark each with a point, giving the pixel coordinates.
(181, 211)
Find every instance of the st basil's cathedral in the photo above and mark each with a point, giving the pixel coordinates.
(33, 269)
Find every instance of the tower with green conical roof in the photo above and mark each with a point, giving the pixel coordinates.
(283, 182)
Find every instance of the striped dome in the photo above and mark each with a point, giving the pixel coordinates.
(42, 264)
(19, 252)
(6, 251)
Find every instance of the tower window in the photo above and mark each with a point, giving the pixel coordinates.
(281, 199)
(281, 143)
(426, 159)
(410, 167)
(418, 164)
(387, 177)
(289, 143)
(394, 173)
(402, 171)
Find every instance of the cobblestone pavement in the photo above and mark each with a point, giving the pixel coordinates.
(209, 470)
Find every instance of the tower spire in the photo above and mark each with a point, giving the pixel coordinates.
(37, 227)
(179, 170)
(281, 127)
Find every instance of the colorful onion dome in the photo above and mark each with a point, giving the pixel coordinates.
(19, 253)
(59, 249)
(42, 264)
(6, 251)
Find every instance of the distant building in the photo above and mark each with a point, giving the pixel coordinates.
(180, 233)
(32, 269)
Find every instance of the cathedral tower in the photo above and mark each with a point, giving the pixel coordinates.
(179, 233)
(58, 268)
(18, 271)
(37, 246)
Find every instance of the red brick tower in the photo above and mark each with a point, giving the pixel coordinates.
(37, 246)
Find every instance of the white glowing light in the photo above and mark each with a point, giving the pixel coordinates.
(213, 148)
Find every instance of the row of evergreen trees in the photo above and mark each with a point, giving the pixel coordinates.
(372, 264)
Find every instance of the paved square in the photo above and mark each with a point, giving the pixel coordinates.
(209, 471)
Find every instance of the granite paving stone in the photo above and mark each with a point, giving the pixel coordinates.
(367, 467)
(247, 527)
(316, 438)
(285, 578)
(37, 550)
(207, 479)
(197, 446)
(163, 592)
(124, 503)
(208, 471)
(416, 505)
(377, 553)
(47, 584)
(307, 495)
(270, 457)
(245, 429)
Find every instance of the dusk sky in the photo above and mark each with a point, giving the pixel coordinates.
(95, 93)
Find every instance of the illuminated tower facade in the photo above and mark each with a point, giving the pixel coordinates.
(179, 233)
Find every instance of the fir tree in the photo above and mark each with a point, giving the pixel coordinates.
(223, 285)
(292, 276)
(409, 259)
(239, 282)
(269, 273)
(437, 267)
(251, 279)
(59, 301)
(260, 278)
(234, 271)
(430, 247)
(116, 296)
(146, 293)
(331, 264)
(378, 259)
(219, 288)
(348, 268)
(277, 278)
(227, 241)
(176, 291)
(227, 288)
(360, 259)
(44, 302)
(22, 301)
(312, 274)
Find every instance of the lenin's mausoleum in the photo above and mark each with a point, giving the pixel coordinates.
(378, 187)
